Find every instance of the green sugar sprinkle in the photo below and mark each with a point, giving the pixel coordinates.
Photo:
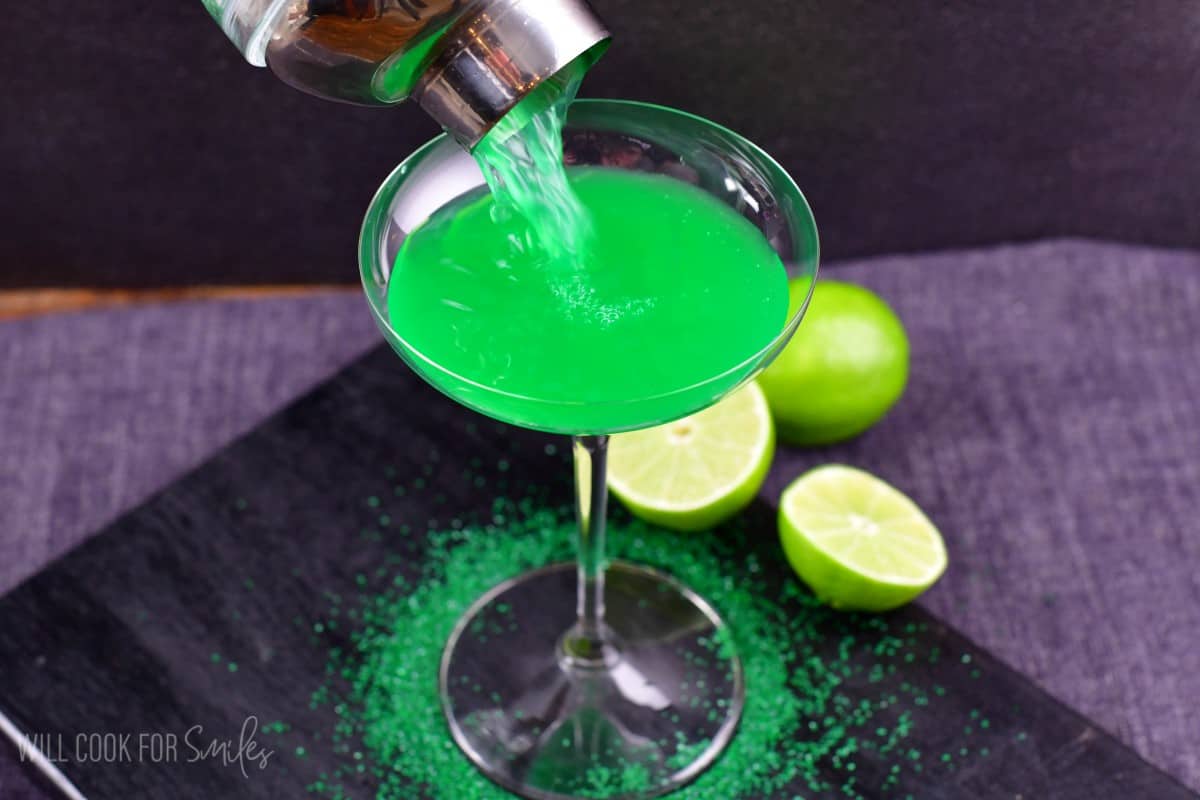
(809, 711)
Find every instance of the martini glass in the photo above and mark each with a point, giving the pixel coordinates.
(595, 679)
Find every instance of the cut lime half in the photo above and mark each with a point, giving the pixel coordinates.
(697, 471)
(858, 542)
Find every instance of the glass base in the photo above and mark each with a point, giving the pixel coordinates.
(647, 718)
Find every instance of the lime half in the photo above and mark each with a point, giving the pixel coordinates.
(858, 542)
(697, 471)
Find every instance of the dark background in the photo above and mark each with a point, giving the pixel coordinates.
(137, 149)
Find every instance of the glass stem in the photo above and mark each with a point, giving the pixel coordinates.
(587, 642)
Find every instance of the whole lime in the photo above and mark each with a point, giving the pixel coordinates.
(845, 367)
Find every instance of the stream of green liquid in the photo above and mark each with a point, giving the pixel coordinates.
(584, 299)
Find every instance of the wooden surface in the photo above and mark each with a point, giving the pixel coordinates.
(240, 557)
(16, 304)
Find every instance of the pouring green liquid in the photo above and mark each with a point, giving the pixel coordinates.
(582, 299)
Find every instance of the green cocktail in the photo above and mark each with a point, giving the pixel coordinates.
(592, 679)
(672, 289)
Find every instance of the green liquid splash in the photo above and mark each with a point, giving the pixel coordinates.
(522, 161)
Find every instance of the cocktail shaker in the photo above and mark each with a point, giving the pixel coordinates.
(467, 62)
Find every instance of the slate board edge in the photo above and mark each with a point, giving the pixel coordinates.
(35, 764)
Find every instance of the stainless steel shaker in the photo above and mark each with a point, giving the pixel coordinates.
(467, 62)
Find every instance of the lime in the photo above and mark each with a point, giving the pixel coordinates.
(845, 367)
(858, 542)
(697, 471)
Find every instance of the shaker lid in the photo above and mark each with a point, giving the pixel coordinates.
(493, 58)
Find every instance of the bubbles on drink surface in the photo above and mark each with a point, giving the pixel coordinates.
(582, 302)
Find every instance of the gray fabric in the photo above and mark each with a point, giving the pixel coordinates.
(98, 409)
(14, 783)
(1050, 429)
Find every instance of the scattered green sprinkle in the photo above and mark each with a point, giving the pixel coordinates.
(810, 708)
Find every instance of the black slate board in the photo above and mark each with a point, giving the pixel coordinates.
(236, 558)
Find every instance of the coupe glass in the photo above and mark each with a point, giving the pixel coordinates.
(595, 679)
